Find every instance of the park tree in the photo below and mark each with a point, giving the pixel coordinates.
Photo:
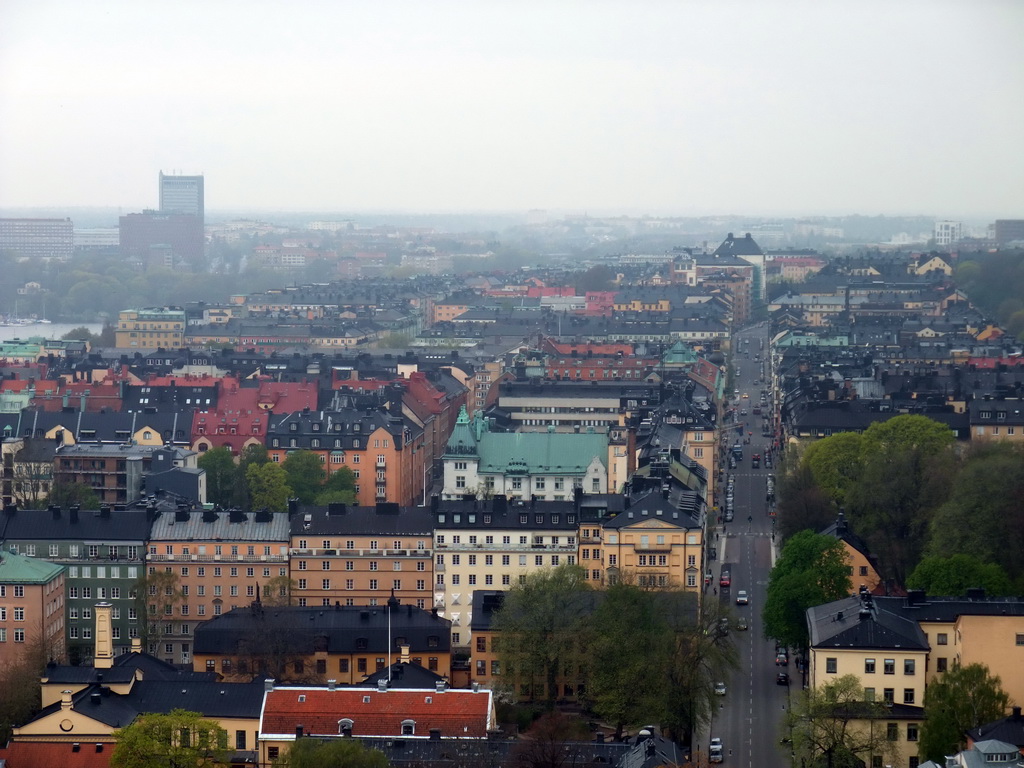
(983, 516)
(542, 623)
(832, 726)
(957, 701)
(628, 688)
(835, 464)
(908, 463)
(177, 739)
(953, 576)
(68, 494)
(330, 753)
(305, 474)
(548, 742)
(254, 454)
(268, 486)
(802, 504)
(221, 475)
(339, 487)
(811, 569)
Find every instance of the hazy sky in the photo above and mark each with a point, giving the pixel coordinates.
(743, 106)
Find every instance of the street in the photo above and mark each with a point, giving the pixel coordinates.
(749, 718)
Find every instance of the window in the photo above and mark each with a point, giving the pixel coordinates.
(908, 695)
(908, 666)
(831, 665)
(892, 731)
(869, 666)
(240, 740)
(888, 695)
(911, 731)
(890, 666)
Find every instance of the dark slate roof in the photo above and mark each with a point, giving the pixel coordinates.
(210, 698)
(123, 671)
(344, 627)
(918, 607)
(848, 623)
(498, 513)
(112, 526)
(385, 519)
(739, 246)
(405, 675)
(1009, 729)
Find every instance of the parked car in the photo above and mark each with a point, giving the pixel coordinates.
(782, 659)
(715, 750)
(720, 689)
(742, 598)
(726, 578)
(741, 624)
(782, 678)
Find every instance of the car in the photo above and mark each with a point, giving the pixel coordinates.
(715, 751)
(720, 689)
(743, 412)
(726, 578)
(782, 678)
(741, 624)
(782, 659)
(746, 396)
(742, 598)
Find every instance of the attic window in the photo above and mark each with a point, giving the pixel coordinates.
(345, 724)
(302, 698)
(408, 727)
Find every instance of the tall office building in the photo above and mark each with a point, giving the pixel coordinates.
(182, 194)
(38, 238)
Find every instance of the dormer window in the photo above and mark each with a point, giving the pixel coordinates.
(293, 427)
(316, 427)
(408, 727)
(345, 725)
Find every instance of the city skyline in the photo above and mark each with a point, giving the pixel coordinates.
(778, 109)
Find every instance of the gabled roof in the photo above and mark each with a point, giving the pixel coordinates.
(455, 713)
(1009, 729)
(853, 623)
(67, 754)
(108, 526)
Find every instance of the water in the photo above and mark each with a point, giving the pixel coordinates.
(46, 330)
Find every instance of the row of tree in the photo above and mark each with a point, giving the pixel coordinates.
(252, 481)
(937, 517)
(632, 655)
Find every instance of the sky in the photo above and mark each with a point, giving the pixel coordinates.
(686, 107)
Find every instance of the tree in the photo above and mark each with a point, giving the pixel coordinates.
(597, 278)
(802, 504)
(253, 454)
(178, 739)
(67, 494)
(982, 515)
(835, 463)
(631, 644)
(812, 569)
(221, 475)
(908, 463)
(19, 681)
(954, 575)
(833, 725)
(305, 474)
(268, 486)
(340, 487)
(156, 595)
(81, 333)
(959, 700)
(314, 753)
(546, 744)
(541, 624)
(278, 591)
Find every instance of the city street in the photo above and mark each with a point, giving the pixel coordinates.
(749, 718)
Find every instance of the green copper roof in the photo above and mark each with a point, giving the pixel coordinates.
(463, 441)
(541, 452)
(18, 569)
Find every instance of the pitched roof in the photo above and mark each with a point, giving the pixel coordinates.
(1009, 729)
(109, 526)
(67, 754)
(383, 519)
(854, 622)
(542, 452)
(226, 526)
(18, 569)
(455, 713)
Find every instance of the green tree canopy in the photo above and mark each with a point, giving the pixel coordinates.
(253, 454)
(953, 576)
(332, 753)
(66, 494)
(836, 463)
(305, 474)
(178, 739)
(268, 486)
(802, 505)
(339, 487)
(983, 516)
(541, 623)
(831, 726)
(221, 475)
(811, 569)
(957, 701)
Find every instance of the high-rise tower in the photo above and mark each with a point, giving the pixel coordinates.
(182, 194)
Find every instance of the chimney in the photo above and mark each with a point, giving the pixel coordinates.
(268, 684)
(332, 685)
(476, 687)
(435, 734)
(404, 652)
(104, 658)
(440, 686)
(298, 731)
(382, 685)
(136, 645)
(65, 700)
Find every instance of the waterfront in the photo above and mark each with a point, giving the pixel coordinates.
(46, 330)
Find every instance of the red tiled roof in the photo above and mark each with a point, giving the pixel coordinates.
(26, 754)
(455, 713)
